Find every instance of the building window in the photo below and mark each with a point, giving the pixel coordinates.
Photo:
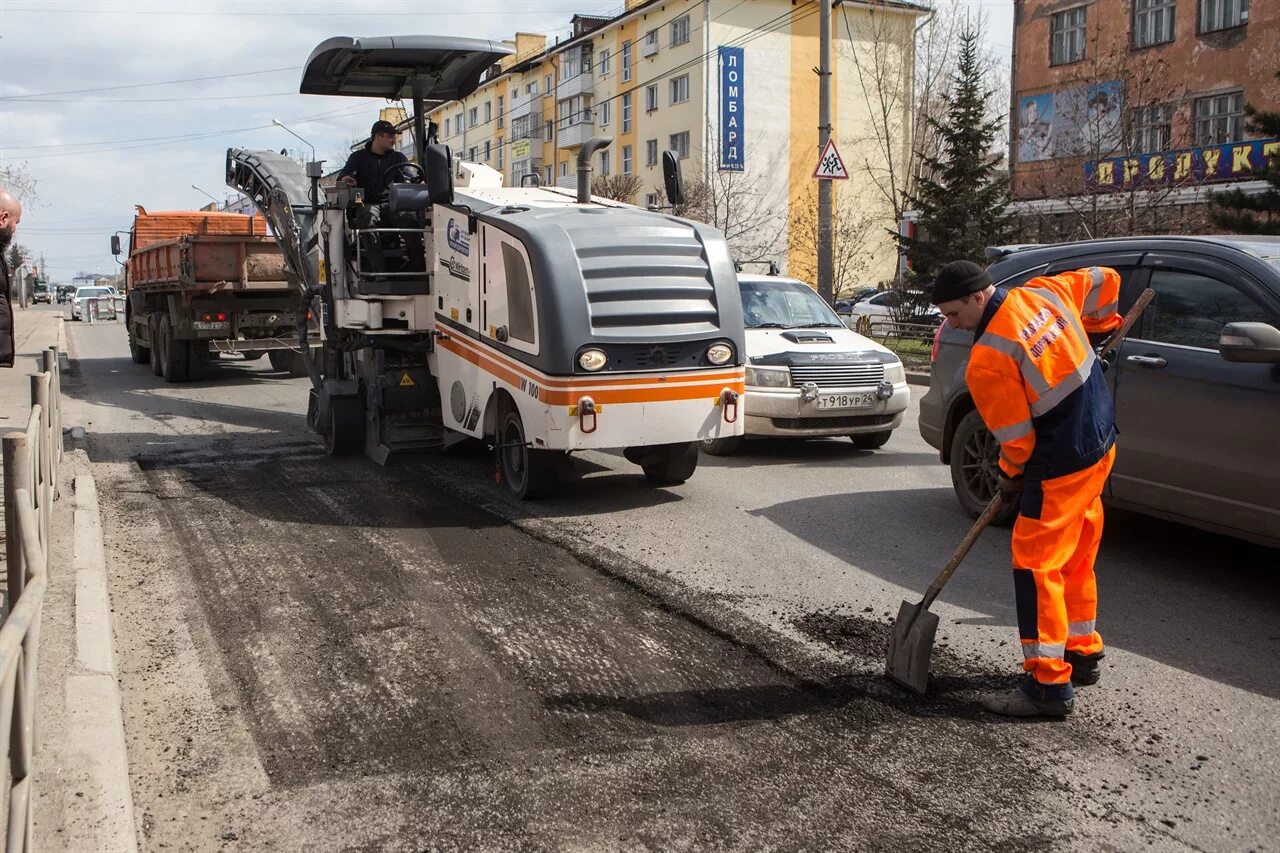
(471, 155)
(626, 113)
(1223, 14)
(457, 123)
(501, 111)
(575, 110)
(604, 164)
(1219, 118)
(1152, 22)
(447, 132)
(652, 200)
(604, 61)
(488, 111)
(549, 132)
(651, 152)
(651, 98)
(548, 180)
(650, 45)
(1152, 128)
(1067, 40)
(546, 84)
(626, 61)
(680, 89)
(603, 110)
(626, 159)
(564, 169)
(499, 154)
(680, 31)
(473, 116)
(680, 144)
(532, 88)
(488, 149)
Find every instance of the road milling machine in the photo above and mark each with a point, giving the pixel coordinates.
(538, 319)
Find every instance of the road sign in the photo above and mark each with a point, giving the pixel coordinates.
(830, 165)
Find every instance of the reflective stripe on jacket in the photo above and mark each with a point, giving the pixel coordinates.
(1034, 377)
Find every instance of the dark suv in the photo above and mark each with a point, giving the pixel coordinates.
(1196, 382)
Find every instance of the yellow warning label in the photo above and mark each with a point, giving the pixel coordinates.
(324, 272)
(406, 381)
(453, 313)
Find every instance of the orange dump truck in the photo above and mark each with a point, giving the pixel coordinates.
(203, 284)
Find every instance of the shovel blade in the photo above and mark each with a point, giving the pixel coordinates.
(911, 646)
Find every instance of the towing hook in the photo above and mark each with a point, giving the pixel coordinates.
(729, 404)
(587, 415)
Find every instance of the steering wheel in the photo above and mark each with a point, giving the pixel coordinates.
(419, 176)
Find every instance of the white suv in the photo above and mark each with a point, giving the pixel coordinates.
(807, 375)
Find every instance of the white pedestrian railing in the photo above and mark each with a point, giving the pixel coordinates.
(31, 460)
(99, 308)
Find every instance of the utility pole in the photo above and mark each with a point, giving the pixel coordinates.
(826, 265)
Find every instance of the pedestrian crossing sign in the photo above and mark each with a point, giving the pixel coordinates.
(830, 164)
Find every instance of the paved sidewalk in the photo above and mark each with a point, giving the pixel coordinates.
(37, 330)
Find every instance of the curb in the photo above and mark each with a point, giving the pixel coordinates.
(916, 378)
(96, 730)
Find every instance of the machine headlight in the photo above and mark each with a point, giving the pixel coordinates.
(895, 373)
(592, 359)
(719, 353)
(769, 377)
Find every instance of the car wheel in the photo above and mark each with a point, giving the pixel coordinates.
(871, 440)
(974, 468)
(527, 473)
(721, 446)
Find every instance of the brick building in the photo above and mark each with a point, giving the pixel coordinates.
(1125, 113)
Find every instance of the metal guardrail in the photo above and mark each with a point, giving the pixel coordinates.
(30, 461)
(98, 308)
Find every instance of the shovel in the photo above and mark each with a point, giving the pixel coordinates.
(911, 644)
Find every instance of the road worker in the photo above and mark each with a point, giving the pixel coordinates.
(1038, 386)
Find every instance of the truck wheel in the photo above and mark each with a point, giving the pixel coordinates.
(175, 354)
(871, 440)
(344, 430)
(721, 446)
(156, 354)
(674, 463)
(974, 467)
(139, 353)
(197, 359)
(253, 355)
(287, 361)
(527, 473)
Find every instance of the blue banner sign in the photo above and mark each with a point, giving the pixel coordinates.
(732, 155)
(1228, 162)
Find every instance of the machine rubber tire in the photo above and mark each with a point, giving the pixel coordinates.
(175, 355)
(974, 455)
(526, 473)
(677, 464)
(344, 428)
(721, 446)
(253, 354)
(156, 367)
(279, 359)
(871, 440)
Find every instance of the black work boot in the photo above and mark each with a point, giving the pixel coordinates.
(1085, 669)
(1032, 699)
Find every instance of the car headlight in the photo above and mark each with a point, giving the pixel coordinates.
(895, 373)
(769, 377)
(592, 359)
(719, 353)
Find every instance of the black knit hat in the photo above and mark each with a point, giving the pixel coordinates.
(957, 280)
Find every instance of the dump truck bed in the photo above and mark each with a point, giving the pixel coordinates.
(210, 262)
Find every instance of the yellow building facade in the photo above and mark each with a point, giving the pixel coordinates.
(730, 86)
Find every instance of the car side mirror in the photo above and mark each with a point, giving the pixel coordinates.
(1250, 343)
(439, 173)
(115, 244)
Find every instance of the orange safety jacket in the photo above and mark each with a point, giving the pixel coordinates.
(1035, 378)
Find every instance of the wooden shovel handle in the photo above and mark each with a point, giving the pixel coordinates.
(1135, 311)
(961, 551)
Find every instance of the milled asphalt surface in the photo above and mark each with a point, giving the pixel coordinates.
(325, 654)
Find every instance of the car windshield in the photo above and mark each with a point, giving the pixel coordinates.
(784, 305)
(92, 291)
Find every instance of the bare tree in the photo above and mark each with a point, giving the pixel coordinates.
(616, 187)
(737, 203)
(853, 227)
(18, 180)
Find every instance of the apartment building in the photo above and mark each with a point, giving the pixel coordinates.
(1138, 106)
(730, 86)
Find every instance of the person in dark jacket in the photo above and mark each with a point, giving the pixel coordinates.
(367, 168)
(10, 216)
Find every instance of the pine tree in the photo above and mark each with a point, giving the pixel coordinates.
(962, 202)
(1253, 214)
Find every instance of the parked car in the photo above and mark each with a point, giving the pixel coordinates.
(845, 303)
(807, 375)
(1196, 383)
(80, 301)
(879, 307)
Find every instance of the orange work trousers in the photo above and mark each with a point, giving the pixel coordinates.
(1055, 544)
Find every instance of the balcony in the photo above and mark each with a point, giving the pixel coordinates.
(573, 132)
(521, 105)
(648, 48)
(578, 84)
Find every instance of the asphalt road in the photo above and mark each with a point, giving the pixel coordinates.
(321, 653)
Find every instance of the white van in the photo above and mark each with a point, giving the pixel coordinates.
(808, 376)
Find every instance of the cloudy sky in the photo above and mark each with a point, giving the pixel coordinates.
(112, 103)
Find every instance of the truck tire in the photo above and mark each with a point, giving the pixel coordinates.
(156, 367)
(672, 464)
(197, 359)
(527, 473)
(871, 440)
(721, 446)
(287, 361)
(344, 428)
(253, 354)
(974, 455)
(138, 352)
(175, 355)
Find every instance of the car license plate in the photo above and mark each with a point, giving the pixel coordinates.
(847, 401)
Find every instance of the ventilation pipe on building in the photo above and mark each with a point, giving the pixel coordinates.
(589, 148)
